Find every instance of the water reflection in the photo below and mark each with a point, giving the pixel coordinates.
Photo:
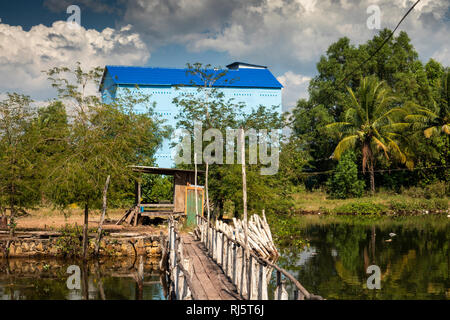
(414, 263)
(111, 279)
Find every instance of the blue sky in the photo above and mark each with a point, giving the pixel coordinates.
(287, 35)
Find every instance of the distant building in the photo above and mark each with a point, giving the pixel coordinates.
(253, 85)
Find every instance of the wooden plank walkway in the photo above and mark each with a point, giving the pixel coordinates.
(208, 279)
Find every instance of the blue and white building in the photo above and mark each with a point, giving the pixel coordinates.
(250, 84)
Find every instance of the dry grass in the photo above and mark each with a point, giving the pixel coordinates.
(49, 219)
(317, 200)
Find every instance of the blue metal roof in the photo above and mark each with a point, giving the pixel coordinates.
(249, 78)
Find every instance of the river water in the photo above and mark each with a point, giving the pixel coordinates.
(58, 279)
(412, 254)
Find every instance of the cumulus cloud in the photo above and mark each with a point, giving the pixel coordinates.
(443, 55)
(25, 54)
(295, 87)
(285, 32)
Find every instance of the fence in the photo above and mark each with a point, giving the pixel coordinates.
(247, 271)
(179, 267)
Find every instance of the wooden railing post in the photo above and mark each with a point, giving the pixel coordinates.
(223, 249)
(277, 295)
(212, 243)
(243, 268)
(172, 247)
(246, 270)
(227, 257)
(177, 269)
(233, 266)
(249, 278)
(260, 281)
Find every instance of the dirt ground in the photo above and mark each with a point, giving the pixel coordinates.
(49, 219)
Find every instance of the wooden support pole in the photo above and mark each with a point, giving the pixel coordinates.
(227, 256)
(233, 266)
(260, 282)
(242, 272)
(195, 181)
(138, 211)
(277, 295)
(244, 187)
(102, 217)
(249, 278)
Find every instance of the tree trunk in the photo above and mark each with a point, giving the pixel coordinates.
(85, 281)
(372, 178)
(3, 219)
(85, 231)
(102, 218)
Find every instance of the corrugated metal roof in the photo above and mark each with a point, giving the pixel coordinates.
(236, 65)
(253, 78)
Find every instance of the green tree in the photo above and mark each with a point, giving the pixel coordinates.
(104, 139)
(370, 124)
(208, 107)
(19, 183)
(345, 182)
(397, 63)
(436, 119)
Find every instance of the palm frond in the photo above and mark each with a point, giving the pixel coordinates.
(396, 150)
(430, 131)
(337, 125)
(344, 144)
(381, 146)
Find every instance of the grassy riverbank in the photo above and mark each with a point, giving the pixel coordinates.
(382, 202)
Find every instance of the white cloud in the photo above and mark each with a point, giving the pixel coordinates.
(25, 54)
(295, 87)
(443, 55)
(283, 32)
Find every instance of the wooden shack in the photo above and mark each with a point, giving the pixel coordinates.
(183, 189)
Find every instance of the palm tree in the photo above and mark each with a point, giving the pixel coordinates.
(370, 124)
(436, 119)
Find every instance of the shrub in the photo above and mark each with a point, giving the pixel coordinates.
(360, 208)
(345, 183)
(419, 204)
(434, 190)
(69, 244)
(441, 204)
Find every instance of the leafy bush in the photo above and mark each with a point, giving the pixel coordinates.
(360, 208)
(345, 183)
(285, 230)
(69, 244)
(434, 190)
(414, 205)
(441, 204)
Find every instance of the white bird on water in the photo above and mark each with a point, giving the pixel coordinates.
(392, 234)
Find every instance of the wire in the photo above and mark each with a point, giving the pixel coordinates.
(384, 42)
(380, 170)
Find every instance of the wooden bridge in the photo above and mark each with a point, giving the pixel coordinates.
(209, 265)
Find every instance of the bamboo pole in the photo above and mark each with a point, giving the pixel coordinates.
(196, 191)
(102, 218)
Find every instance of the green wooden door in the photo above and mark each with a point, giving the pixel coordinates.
(190, 205)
